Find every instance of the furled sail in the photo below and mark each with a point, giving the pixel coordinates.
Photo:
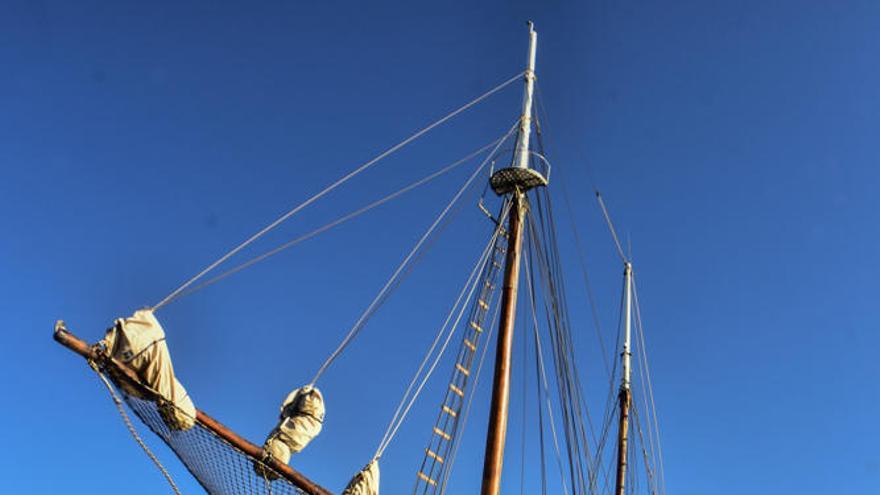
(301, 420)
(139, 342)
(366, 482)
(219, 459)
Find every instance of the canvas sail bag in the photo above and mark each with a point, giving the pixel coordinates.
(301, 420)
(366, 482)
(139, 342)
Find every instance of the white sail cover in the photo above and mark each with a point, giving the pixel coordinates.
(301, 420)
(366, 482)
(139, 342)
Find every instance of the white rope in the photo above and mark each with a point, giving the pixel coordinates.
(128, 424)
(331, 187)
(450, 460)
(334, 223)
(367, 312)
(473, 280)
(478, 268)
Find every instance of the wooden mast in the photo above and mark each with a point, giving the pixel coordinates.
(625, 394)
(497, 432)
(513, 181)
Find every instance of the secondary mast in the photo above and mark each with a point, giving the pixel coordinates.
(513, 182)
(625, 395)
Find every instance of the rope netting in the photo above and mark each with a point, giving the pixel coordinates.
(220, 467)
(221, 461)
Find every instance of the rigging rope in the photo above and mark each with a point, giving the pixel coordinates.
(467, 409)
(612, 400)
(131, 429)
(641, 447)
(331, 187)
(523, 421)
(543, 373)
(611, 227)
(650, 387)
(573, 404)
(642, 384)
(401, 412)
(584, 273)
(334, 223)
(374, 304)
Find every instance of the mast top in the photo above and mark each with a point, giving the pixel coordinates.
(519, 175)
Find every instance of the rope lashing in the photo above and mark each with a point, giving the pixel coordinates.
(331, 187)
(358, 325)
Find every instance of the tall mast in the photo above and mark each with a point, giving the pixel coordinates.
(513, 182)
(497, 433)
(625, 394)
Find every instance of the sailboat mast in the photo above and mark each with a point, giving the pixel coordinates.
(513, 181)
(497, 432)
(625, 394)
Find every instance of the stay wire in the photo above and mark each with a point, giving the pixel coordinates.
(643, 387)
(543, 374)
(661, 474)
(611, 227)
(464, 418)
(570, 389)
(404, 406)
(331, 187)
(374, 304)
(552, 324)
(523, 422)
(594, 311)
(555, 269)
(648, 472)
(334, 223)
(612, 399)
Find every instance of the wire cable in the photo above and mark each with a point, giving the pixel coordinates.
(464, 417)
(331, 187)
(544, 374)
(470, 286)
(334, 223)
(379, 297)
(660, 471)
(611, 227)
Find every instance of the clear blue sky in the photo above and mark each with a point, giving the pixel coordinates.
(736, 143)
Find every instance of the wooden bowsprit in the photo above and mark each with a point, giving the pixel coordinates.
(220, 459)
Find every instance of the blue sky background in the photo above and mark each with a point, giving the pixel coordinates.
(735, 142)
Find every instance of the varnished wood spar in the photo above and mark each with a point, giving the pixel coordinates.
(70, 341)
(622, 441)
(497, 432)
